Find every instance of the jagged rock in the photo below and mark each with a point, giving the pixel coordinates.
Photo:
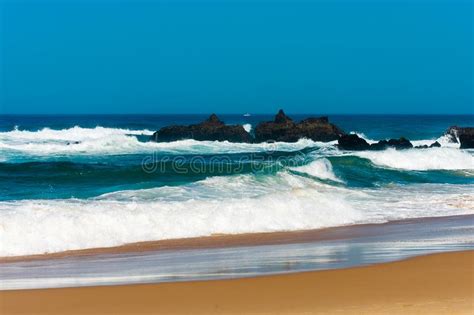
(213, 119)
(352, 142)
(462, 135)
(284, 129)
(435, 144)
(211, 129)
(281, 118)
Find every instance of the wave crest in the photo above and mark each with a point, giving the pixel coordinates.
(321, 168)
(36, 226)
(421, 160)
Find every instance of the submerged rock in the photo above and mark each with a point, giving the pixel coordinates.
(381, 145)
(435, 144)
(284, 129)
(353, 142)
(401, 143)
(74, 142)
(398, 144)
(212, 129)
(462, 135)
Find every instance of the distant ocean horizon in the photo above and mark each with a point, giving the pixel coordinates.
(72, 182)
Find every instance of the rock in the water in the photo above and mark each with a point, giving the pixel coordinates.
(353, 142)
(452, 134)
(467, 140)
(398, 144)
(211, 129)
(435, 144)
(284, 129)
(281, 118)
(462, 135)
(381, 145)
(356, 143)
(401, 143)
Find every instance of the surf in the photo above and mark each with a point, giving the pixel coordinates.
(216, 205)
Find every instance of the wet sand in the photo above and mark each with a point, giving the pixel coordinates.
(433, 284)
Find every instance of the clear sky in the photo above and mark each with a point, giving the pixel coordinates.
(320, 56)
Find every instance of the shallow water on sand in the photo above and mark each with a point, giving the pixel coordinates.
(333, 248)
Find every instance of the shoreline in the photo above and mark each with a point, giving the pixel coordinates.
(231, 240)
(434, 284)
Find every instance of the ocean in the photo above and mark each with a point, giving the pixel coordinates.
(92, 181)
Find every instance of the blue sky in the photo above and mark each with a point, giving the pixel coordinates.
(321, 56)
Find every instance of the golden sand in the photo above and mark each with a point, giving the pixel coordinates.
(434, 284)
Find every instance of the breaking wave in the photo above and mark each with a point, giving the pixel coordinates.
(228, 205)
(421, 159)
(320, 168)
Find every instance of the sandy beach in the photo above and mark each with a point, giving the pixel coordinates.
(433, 284)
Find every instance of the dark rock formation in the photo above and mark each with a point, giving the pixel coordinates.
(281, 118)
(463, 135)
(381, 145)
(398, 144)
(353, 142)
(211, 129)
(452, 133)
(435, 144)
(401, 143)
(283, 128)
(467, 140)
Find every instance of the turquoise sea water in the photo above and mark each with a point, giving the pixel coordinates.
(74, 182)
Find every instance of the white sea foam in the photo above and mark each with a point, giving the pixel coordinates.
(247, 127)
(422, 159)
(71, 134)
(230, 205)
(321, 168)
(75, 140)
(110, 141)
(444, 141)
(397, 202)
(40, 226)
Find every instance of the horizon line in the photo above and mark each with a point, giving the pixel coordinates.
(241, 114)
